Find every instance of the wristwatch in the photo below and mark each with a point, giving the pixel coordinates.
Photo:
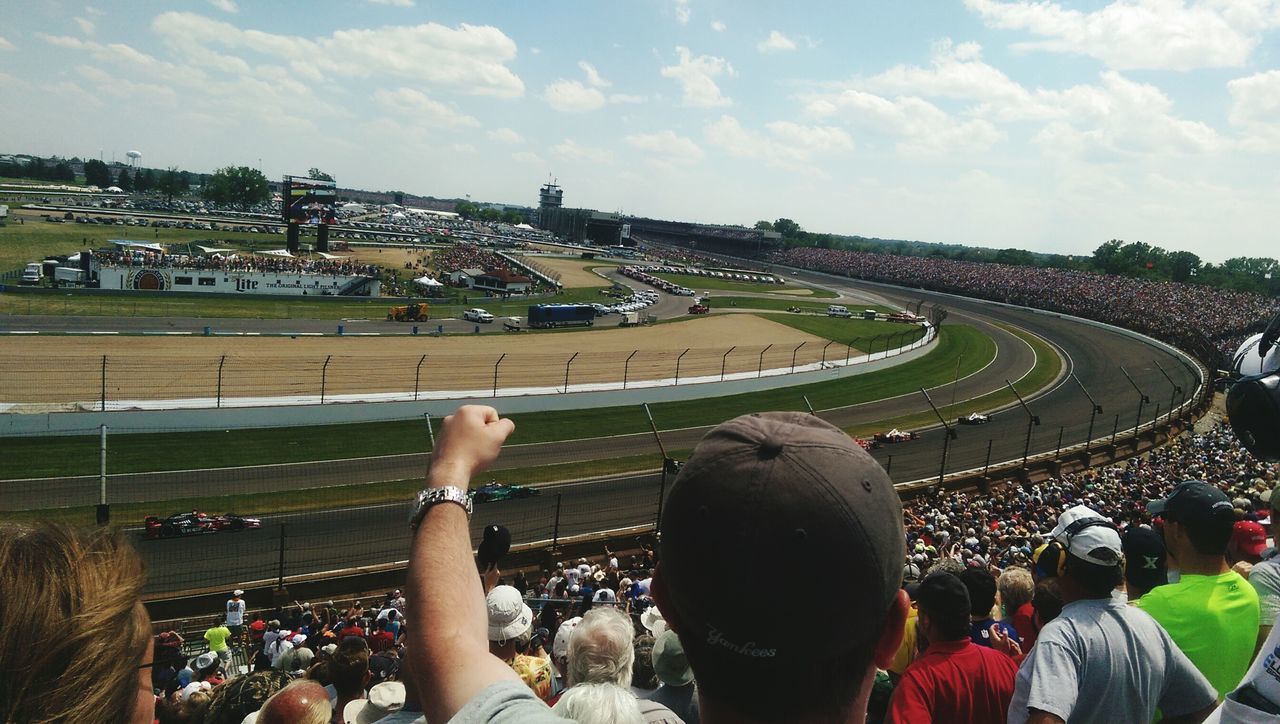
(431, 496)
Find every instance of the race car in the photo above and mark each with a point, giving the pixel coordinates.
(895, 435)
(495, 491)
(196, 523)
(974, 418)
(867, 445)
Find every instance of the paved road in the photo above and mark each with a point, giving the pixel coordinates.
(358, 535)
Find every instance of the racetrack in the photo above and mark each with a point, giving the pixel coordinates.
(357, 535)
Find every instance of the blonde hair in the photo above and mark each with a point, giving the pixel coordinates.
(72, 629)
(1016, 588)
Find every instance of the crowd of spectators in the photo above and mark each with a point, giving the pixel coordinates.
(135, 257)
(1185, 315)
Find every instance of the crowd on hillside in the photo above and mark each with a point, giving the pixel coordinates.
(1185, 315)
(236, 263)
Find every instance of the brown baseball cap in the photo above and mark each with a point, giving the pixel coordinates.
(781, 493)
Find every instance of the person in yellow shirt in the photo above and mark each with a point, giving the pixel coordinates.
(217, 637)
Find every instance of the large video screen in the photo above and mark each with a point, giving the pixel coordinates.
(308, 201)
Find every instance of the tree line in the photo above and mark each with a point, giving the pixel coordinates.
(1139, 259)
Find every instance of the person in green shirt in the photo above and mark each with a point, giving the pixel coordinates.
(217, 638)
(1211, 613)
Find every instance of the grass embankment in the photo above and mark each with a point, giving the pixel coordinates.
(698, 283)
(1046, 369)
(864, 333)
(78, 455)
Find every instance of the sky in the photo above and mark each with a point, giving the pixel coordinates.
(1050, 126)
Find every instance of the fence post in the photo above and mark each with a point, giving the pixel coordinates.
(682, 354)
(987, 467)
(495, 373)
(104, 510)
(824, 352)
(104, 383)
(221, 361)
(626, 367)
(888, 465)
(794, 352)
(1057, 454)
(760, 367)
(324, 377)
(280, 570)
(555, 532)
(417, 375)
(566, 371)
(848, 350)
(725, 360)
(871, 348)
(1114, 429)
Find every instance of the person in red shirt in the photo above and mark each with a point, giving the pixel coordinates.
(381, 639)
(351, 629)
(954, 680)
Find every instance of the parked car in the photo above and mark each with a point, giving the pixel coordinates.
(495, 491)
(477, 315)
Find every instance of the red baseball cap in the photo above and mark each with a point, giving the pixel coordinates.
(1249, 537)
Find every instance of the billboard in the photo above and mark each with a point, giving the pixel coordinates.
(308, 201)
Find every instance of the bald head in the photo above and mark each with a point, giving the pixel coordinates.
(301, 702)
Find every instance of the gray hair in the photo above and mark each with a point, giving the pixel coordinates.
(1016, 588)
(599, 703)
(600, 650)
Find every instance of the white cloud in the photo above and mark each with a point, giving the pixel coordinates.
(666, 147)
(1141, 34)
(593, 76)
(95, 12)
(6, 45)
(505, 135)
(526, 157)
(421, 109)
(717, 26)
(469, 59)
(786, 144)
(113, 84)
(1255, 110)
(573, 151)
(226, 6)
(696, 76)
(86, 25)
(394, 3)
(683, 12)
(570, 96)
(919, 126)
(624, 98)
(776, 42)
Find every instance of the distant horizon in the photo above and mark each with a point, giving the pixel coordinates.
(1047, 126)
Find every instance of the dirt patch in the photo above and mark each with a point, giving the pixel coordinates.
(791, 292)
(70, 369)
(393, 258)
(572, 272)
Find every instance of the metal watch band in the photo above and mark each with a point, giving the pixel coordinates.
(431, 496)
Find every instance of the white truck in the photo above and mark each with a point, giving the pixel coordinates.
(65, 275)
(629, 319)
(477, 315)
(836, 310)
(32, 274)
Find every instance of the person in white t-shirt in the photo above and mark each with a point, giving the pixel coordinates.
(235, 612)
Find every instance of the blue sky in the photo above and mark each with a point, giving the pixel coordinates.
(1050, 126)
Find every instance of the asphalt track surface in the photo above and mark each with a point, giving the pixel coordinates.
(363, 535)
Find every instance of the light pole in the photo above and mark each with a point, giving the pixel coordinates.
(1177, 389)
(946, 439)
(1093, 413)
(1032, 420)
(1142, 400)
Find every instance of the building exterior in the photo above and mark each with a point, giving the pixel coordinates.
(502, 282)
(212, 281)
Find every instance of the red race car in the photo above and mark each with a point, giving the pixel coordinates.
(896, 435)
(867, 445)
(196, 523)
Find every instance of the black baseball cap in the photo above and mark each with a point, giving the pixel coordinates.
(1145, 558)
(1193, 501)
(781, 491)
(942, 592)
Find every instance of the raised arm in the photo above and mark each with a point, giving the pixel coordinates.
(448, 645)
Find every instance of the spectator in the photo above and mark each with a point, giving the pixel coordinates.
(1016, 589)
(301, 702)
(216, 637)
(1102, 660)
(510, 628)
(1265, 578)
(75, 639)
(384, 700)
(601, 651)
(909, 647)
(1211, 613)
(599, 703)
(349, 672)
(643, 678)
(677, 691)
(982, 598)
(235, 612)
(1145, 562)
(1047, 603)
(954, 680)
(1248, 541)
(560, 654)
(240, 696)
(381, 639)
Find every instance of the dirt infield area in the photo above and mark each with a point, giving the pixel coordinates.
(395, 258)
(69, 370)
(573, 272)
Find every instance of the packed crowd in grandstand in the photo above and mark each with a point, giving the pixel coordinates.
(235, 262)
(1182, 314)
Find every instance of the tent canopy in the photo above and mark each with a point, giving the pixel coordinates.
(276, 252)
(427, 282)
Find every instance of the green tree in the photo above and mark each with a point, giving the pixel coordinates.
(170, 184)
(466, 209)
(124, 180)
(63, 172)
(786, 227)
(1181, 265)
(237, 186)
(763, 225)
(96, 173)
(318, 175)
(490, 214)
(1106, 258)
(144, 180)
(1017, 257)
(511, 216)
